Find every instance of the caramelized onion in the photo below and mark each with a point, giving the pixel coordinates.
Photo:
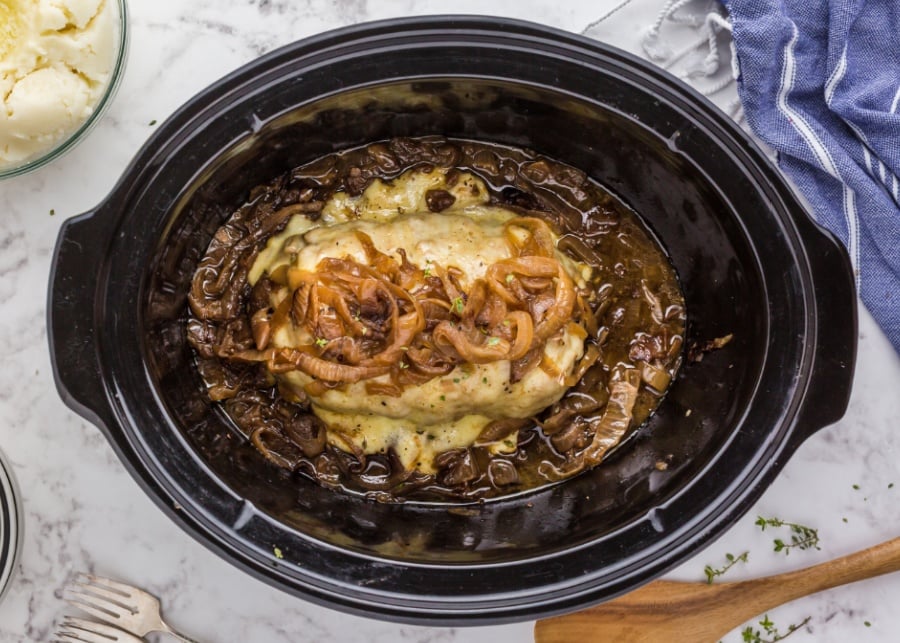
(364, 321)
(499, 429)
(608, 430)
(447, 335)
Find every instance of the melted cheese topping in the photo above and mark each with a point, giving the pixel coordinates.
(445, 412)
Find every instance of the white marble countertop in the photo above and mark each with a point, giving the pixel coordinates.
(84, 512)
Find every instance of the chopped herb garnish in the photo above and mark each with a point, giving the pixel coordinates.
(891, 485)
(152, 123)
(443, 398)
(484, 380)
(427, 272)
(456, 380)
(732, 560)
(509, 278)
(749, 635)
(403, 365)
(52, 212)
(277, 553)
(458, 305)
(856, 487)
(321, 341)
(493, 341)
(802, 537)
(867, 624)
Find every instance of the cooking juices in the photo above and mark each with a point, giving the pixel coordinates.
(432, 318)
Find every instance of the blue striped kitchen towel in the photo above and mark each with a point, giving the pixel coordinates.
(820, 82)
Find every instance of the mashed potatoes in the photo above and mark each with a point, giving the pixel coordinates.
(56, 58)
(451, 410)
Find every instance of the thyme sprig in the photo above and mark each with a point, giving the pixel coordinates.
(751, 635)
(731, 561)
(802, 537)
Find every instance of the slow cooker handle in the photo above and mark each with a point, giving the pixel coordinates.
(71, 314)
(828, 394)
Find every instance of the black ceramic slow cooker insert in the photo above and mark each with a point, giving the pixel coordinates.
(751, 262)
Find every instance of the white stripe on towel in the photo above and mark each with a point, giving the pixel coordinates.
(894, 187)
(896, 101)
(823, 156)
(836, 77)
(883, 171)
(866, 155)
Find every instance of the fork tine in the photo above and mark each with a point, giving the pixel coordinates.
(68, 637)
(79, 629)
(92, 626)
(93, 610)
(125, 590)
(105, 595)
(88, 637)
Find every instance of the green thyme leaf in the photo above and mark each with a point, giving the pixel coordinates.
(731, 561)
(751, 635)
(802, 537)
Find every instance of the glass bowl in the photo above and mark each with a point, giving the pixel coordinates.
(72, 138)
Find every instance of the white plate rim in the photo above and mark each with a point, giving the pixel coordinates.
(10, 526)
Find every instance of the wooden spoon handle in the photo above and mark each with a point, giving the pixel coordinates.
(875, 561)
(702, 612)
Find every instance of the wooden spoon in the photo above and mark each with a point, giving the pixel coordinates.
(701, 612)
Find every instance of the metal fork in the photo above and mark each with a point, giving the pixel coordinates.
(124, 606)
(79, 629)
